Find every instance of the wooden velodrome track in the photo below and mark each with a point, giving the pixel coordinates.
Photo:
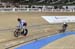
(37, 26)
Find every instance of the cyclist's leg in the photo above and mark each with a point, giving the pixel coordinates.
(25, 31)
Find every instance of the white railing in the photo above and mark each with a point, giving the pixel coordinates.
(58, 10)
(35, 10)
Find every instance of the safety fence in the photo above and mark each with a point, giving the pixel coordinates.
(35, 10)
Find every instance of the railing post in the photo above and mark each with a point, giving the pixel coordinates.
(13, 9)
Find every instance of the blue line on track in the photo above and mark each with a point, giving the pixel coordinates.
(42, 42)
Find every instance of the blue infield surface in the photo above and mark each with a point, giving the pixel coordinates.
(44, 41)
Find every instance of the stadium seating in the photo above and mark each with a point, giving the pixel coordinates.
(17, 3)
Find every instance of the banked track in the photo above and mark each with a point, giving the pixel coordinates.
(22, 40)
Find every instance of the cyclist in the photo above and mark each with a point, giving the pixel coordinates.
(22, 25)
(64, 27)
